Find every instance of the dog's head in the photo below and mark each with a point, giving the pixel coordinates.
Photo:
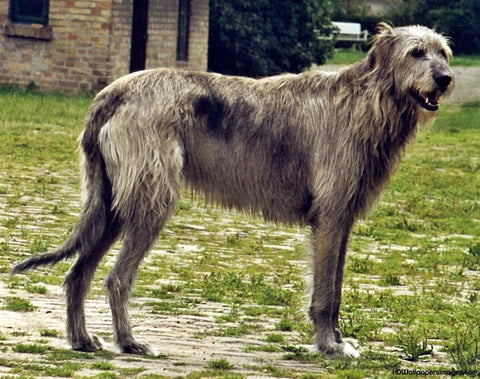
(415, 59)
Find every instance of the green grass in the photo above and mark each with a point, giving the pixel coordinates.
(411, 283)
(345, 56)
(466, 60)
(50, 333)
(220, 364)
(18, 304)
(30, 348)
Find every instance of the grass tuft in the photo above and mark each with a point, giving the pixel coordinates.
(18, 304)
(220, 364)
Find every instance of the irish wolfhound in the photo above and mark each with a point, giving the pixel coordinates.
(315, 148)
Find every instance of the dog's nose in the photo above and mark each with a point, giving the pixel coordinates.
(443, 81)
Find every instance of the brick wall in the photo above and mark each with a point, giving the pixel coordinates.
(87, 43)
(74, 59)
(198, 45)
(120, 37)
(162, 35)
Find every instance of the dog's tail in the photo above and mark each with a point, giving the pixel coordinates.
(97, 214)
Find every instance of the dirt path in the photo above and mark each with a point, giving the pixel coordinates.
(467, 85)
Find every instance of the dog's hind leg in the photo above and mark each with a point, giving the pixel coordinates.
(77, 283)
(140, 232)
(144, 162)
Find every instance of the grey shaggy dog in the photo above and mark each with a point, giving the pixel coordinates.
(315, 149)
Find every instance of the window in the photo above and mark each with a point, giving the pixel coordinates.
(183, 29)
(29, 19)
(29, 11)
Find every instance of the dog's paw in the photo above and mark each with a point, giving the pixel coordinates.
(136, 348)
(89, 344)
(345, 349)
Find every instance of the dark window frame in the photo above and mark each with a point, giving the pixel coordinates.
(183, 30)
(17, 16)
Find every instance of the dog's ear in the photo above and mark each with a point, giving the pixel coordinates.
(384, 33)
(384, 28)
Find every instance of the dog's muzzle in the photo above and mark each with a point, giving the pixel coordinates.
(430, 100)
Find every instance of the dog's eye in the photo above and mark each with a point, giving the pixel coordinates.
(417, 53)
(443, 53)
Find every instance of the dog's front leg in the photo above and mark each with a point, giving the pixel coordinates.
(329, 249)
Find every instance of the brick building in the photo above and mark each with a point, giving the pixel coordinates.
(82, 45)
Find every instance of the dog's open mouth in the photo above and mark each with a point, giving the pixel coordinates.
(428, 101)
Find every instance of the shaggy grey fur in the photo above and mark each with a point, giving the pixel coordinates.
(315, 148)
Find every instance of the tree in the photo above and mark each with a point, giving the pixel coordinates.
(349, 10)
(264, 37)
(458, 19)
